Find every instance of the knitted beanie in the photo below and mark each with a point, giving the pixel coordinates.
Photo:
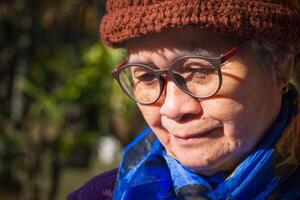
(275, 21)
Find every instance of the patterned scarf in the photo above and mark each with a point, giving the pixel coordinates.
(270, 171)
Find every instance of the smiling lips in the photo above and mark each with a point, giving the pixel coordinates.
(195, 128)
(198, 135)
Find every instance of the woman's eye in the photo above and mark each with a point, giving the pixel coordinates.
(201, 71)
(146, 77)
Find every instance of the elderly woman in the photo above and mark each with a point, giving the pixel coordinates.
(212, 80)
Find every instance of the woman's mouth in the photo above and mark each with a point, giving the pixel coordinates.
(203, 134)
(193, 129)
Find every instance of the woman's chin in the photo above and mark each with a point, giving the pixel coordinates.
(211, 166)
(203, 168)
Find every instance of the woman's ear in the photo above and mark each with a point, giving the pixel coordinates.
(284, 72)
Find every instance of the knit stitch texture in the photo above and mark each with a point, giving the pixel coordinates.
(274, 21)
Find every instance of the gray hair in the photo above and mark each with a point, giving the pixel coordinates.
(270, 54)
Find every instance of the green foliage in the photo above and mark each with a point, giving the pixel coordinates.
(9, 153)
(57, 94)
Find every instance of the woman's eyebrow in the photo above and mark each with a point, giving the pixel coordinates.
(195, 52)
(192, 52)
(181, 53)
(202, 52)
(147, 62)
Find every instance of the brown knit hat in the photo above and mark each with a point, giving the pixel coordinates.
(276, 21)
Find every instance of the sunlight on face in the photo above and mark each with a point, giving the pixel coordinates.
(212, 134)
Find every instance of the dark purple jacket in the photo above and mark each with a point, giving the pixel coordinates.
(100, 187)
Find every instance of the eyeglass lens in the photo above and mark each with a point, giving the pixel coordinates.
(195, 76)
(140, 83)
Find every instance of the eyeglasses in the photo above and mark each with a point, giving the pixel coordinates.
(197, 76)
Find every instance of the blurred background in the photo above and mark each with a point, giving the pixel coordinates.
(63, 119)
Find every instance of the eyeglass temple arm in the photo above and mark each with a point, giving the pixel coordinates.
(229, 54)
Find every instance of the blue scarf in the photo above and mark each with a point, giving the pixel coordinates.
(270, 171)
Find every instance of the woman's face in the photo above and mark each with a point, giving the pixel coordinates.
(213, 134)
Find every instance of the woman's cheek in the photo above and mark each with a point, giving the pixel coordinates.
(151, 114)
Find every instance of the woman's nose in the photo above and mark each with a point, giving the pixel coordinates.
(177, 104)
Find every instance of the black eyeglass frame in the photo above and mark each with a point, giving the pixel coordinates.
(217, 63)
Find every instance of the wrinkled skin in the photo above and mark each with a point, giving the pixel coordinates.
(214, 134)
